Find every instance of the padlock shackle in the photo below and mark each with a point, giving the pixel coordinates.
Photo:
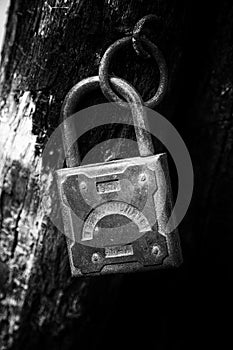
(134, 102)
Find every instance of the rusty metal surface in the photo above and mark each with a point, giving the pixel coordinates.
(120, 228)
(115, 213)
(134, 102)
(155, 53)
(138, 33)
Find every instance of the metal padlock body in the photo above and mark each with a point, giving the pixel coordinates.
(92, 193)
(115, 213)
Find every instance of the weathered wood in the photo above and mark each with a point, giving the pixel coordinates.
(49, 47)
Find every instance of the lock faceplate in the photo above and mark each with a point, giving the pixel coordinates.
(115, 214)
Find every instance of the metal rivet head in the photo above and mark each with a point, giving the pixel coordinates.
(155, 250)
(83, 186)
(96, 258)
(142, 177)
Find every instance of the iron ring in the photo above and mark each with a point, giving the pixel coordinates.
(104, 76)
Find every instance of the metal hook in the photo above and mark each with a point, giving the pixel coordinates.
(137, 34)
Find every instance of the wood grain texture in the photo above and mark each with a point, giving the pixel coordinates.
(50, 46)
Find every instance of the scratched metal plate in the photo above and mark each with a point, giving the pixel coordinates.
(115, 213)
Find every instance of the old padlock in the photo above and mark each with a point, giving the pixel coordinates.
(114, 212)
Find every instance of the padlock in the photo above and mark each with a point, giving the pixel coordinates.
(114, 213)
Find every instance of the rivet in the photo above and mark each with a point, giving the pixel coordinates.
(83, 186)
(142, 177)
(155, 250)
(96, 258)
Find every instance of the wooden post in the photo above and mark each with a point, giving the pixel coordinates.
(50, 46)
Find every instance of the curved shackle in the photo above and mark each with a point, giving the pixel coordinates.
(134, 102)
